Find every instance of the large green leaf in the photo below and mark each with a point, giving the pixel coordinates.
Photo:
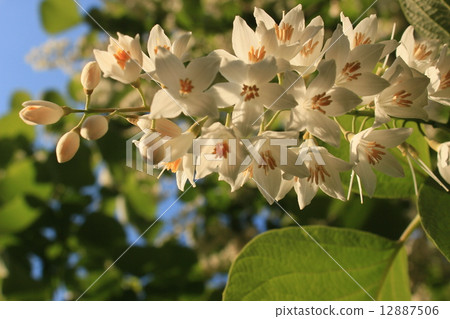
(429, 17)
(59, 15)
(287, 264)
(16, 215)
(433, 205)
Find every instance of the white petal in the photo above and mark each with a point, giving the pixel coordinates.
(262, 72)
(325, 80)
(389, 138)
(225, 94)
(235, 71)
(243, 38)
(367, 176)
(285, 187)
(367, 54)
(247, 117)
(390, 166)
(202, 72)
(169, 69)
(322, 127)
(337, 48)
(163, 105)
(274, 97)
(343, 100)
(269, 184)
(305, 192)
(200, 104)
(180, 45)
(262, 17)
(366, 84)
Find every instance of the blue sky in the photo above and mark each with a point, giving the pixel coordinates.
(22, 31)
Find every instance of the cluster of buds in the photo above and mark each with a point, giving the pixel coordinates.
(319, 81)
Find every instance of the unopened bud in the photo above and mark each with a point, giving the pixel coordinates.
(41, 112)
(151, 147)
(90, 76)
(67, 146)
(164, 126)
(94, 127)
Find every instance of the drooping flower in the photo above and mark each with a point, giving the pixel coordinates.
(319, 101)
(406, 97)
(269, 160)
(158, 38)
(324, 170)
(222, 152)
(443, 161)
(369, 150)
(354, 67)
(250, 91)
(419, 55)
(439, 88)
(41, 112)
(184, 86)
(123, 59)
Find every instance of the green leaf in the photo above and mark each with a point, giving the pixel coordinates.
(59, 15)
(286, 264)
(433, 203)
(16, 215)
(429, 17)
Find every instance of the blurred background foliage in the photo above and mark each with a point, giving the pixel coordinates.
(63, 225)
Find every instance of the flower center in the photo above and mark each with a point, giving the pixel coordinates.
(122, 58)
(284, 33)
(185, 86)
(360, 38)
(268, 161)
(250, 92)
(445, 81)
(320, 101)
(317, 174)
(399, 98)
(256, 55)
(221, 150)
(373, 151)
(349, 71)
(173, 166)
(308, 47)
(164, 46)
(420, 52)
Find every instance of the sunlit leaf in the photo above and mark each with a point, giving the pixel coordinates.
(59, 15)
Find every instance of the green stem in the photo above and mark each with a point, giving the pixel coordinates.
(141, 93)
(108, 110)
(228, 120)
(409, 230)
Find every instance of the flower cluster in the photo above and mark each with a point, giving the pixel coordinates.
(270, 121)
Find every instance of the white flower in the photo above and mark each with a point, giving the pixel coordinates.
(123, 59)
(310, 53)
(283, 39)
(269, 162)
(369, 149)
(417, 54)
(224, 145)
(365, 33)
(443, 161)
(67, 146)
(323, 175)
(158, 38)
(354, 67)
(406, 97)
(319, 101)
(250, 91)
(439, 88)
(41, 112)
(184, 86)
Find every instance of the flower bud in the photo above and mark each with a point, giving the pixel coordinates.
(94, 127)
(90, 76)
(151, 147)
(164, 126)
(67, 146)
(41, 112)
